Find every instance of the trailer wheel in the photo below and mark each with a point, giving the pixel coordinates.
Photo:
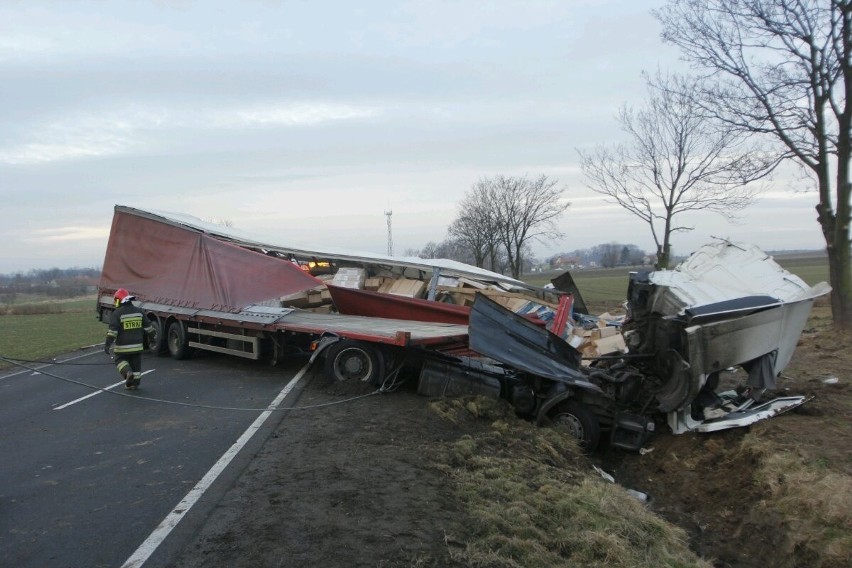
(350, 360)
(178, 341)
(157, 344)
(579, 421)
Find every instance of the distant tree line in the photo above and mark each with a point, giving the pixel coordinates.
(52, 282)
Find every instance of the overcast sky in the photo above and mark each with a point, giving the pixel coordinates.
(309, 120)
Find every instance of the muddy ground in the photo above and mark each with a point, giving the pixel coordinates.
(362, 489)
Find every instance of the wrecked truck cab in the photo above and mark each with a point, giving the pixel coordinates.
(587, 402)
(728, 305)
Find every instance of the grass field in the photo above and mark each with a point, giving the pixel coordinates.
(45, 329)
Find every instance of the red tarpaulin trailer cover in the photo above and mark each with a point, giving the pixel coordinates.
(161, 262)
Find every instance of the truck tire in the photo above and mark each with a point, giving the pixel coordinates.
(178, 340)
(157, 344)
(350, 360)
(579, 421)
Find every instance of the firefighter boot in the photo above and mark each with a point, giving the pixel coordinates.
(127, 374)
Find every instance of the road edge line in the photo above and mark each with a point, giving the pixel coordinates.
(147, 548)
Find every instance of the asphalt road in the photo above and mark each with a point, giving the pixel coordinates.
(84, 482)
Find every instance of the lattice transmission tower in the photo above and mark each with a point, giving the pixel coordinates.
(388, 214)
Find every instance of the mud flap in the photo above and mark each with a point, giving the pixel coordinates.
(326, 341)
(681, 421)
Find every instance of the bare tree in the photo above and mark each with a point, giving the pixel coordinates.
(608, 254)
(524, 209)
(430, 250)
(474, 235)
(448, 248)
(676, 161)
(475, 226)
(783, 69)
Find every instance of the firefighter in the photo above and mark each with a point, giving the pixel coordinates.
(127, 329)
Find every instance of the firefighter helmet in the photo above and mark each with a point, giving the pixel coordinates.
(122, 296)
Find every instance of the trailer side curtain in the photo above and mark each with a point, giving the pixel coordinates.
(169, 264)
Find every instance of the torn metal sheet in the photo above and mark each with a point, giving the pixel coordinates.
(681, 421)
(504, 336)
(729, 278)
(565, 283)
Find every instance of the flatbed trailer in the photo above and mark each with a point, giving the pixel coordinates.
(203, 291)
(257, 332)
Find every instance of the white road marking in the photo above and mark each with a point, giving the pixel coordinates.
(147, 548)
(82, 398)
(96, 393)
(9, 376)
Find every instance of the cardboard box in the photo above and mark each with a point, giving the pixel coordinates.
(314, 297)
(372, 284)
(608, 331)
(612, 344)
(349, 278)
(408, 288)
(462, 299)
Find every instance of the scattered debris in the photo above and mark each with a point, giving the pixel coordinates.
(728, 306)
(640, 496)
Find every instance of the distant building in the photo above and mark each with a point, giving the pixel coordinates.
(565, 262)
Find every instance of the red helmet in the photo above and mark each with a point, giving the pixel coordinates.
(121, 296)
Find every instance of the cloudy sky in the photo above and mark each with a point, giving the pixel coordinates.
(309, 120)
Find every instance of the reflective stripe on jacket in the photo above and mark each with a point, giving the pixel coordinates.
(128, 326)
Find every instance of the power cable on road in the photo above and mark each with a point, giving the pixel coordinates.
(37, 362)
(15, 362)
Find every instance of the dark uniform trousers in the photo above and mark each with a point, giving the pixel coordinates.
(127, 329)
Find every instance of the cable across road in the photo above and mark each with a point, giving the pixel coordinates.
(382, 389)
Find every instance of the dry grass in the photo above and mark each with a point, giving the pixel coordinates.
(536, 501)
(40, 305)
(814, 499)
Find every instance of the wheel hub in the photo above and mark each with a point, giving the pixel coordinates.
(353, 364)
(570, 423)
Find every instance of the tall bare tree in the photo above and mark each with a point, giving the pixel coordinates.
(525, 209)
(475, 227)
(676, 161)
(783, 69)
